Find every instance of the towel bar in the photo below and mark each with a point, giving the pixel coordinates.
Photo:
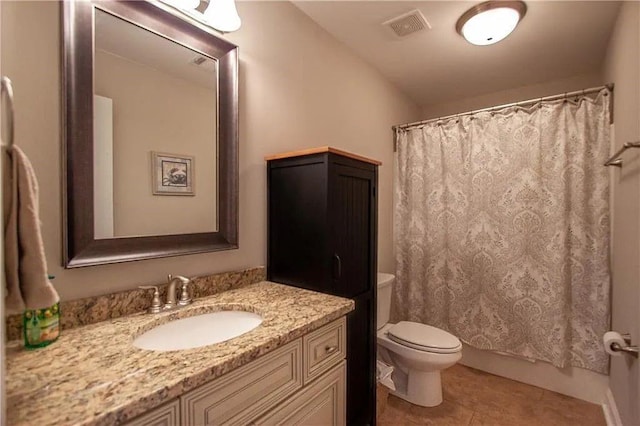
(615, 159)
(7, 89)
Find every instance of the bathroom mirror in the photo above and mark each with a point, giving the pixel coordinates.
(150, 121)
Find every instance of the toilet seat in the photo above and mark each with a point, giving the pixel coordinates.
(424, 337)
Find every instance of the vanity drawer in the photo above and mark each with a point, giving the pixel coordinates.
(323, 349)
(166, 415)
(245, 394)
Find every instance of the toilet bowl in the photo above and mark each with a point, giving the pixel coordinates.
(418, 352)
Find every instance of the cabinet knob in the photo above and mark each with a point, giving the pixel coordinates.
(330, 349)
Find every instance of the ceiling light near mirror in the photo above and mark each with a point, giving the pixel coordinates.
(184, 4)
(221, 15)
(491, 21)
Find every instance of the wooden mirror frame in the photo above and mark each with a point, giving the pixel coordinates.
(80, 246)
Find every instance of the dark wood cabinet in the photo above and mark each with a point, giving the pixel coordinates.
(322, 235)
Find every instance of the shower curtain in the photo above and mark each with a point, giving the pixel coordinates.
(501, 228)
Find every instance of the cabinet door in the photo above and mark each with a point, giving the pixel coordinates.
(361, 354)
(353, 219)
(244, 394)
(166, 415)
(297, 222)
(321, 403)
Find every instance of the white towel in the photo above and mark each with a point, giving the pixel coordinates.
(27, 283)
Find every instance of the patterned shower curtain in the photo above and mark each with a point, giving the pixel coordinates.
(502, 230)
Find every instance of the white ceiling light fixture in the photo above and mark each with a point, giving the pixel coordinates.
(184, 4)
(220, 15)
(491, 21)
(223, 15)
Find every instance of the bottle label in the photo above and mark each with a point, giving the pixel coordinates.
(41, 326)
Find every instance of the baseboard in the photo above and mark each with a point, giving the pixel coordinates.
(610, 409)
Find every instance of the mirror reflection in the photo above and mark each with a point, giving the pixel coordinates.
(155, 134)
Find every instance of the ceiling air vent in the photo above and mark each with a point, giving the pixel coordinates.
(408, 23)
(203, 62)
(199, 60)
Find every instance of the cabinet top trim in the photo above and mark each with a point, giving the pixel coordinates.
(319, 150)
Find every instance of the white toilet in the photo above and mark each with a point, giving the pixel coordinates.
(417, 351)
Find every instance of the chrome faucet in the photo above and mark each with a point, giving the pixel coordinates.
(171, 303)
(185, 299)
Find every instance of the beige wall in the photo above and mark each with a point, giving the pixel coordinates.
(524, 93)
(580, 383)
(158, 112)
(299, 88)
(622, 67)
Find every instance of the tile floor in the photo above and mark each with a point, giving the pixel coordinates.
(475, 398)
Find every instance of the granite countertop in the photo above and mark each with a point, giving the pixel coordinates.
(93, 375)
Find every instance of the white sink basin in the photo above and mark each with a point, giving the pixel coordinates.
(197, 331)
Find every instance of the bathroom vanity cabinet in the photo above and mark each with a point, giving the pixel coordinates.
(302, 382)
(290, 368)
(322, 235)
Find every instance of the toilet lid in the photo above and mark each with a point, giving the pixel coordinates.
(424, 337)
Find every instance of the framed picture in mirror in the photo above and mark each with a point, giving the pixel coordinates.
(172, 174)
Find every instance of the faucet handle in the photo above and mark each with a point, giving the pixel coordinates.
(156, 305)
(185, 299)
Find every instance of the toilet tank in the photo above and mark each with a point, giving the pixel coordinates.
(385, 285)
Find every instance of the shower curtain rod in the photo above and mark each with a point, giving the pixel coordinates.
(495, 108)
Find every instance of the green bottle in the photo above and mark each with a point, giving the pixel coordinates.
(41, 327)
